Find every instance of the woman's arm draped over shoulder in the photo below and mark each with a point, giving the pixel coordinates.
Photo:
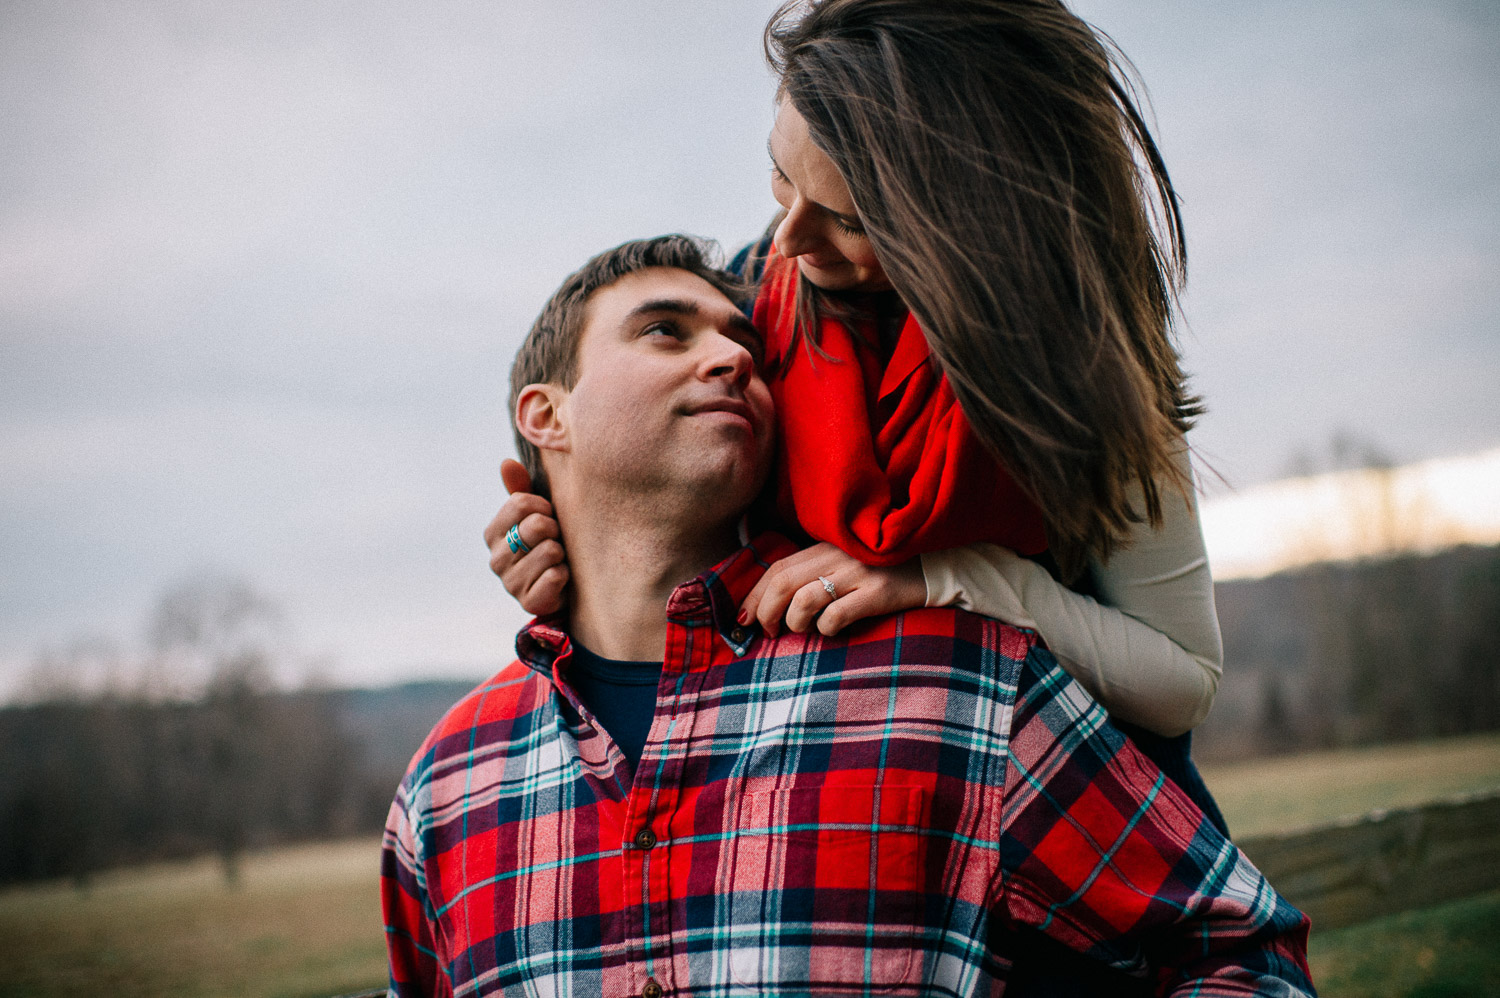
(1150, 652)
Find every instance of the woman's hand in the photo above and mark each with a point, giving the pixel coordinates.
(793, 588)
(536, 578)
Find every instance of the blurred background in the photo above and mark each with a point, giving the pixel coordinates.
(263, 267)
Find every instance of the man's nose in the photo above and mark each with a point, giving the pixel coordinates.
(728, 358)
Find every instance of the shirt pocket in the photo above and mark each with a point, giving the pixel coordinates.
(823, 886)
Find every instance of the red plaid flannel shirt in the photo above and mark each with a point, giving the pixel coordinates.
(874, 812)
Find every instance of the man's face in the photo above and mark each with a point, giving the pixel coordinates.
(669, 393)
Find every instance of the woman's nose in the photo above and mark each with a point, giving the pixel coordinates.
(796, 234)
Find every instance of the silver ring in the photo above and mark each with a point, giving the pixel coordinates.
(513, 538)
(828, 586)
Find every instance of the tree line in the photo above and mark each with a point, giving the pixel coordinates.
(202, 753)
(190, 749)
(106, 781)
(1356, 653)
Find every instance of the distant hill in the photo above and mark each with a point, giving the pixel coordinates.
(1401, 647)
(389, 722)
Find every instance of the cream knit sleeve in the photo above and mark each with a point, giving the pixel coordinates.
(1150, 651)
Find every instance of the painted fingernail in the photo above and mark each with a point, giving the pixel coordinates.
(744, 617)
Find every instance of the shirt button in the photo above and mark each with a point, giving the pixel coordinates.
(739, 634)
(652, 989)
(645, 839)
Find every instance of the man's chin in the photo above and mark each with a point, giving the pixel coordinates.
(731, 487)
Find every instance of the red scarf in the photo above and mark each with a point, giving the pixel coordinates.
(882, 464)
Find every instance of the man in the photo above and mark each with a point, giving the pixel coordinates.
(888, 810)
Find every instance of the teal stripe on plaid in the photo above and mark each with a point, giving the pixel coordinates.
(526, 872)
(1108, 856)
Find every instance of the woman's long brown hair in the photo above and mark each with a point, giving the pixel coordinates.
(1018, 204)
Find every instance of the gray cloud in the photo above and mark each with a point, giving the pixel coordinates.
(263, 266)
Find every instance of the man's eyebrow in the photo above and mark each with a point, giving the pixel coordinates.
(674, 306)
(690, 309)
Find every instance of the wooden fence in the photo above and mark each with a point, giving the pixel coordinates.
(1385, 862)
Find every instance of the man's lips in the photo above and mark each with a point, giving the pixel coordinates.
(728, 406)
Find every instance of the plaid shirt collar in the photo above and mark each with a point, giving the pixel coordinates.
(712, 598)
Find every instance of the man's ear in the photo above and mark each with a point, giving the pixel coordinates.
(540, 416)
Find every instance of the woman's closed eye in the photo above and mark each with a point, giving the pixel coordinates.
(846, 228)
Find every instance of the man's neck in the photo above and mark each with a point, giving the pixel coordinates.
(624, 560)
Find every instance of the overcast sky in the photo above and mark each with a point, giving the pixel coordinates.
(263, 267)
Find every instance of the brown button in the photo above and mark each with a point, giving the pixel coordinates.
(739, 634)
(645, 839)
(652, 989)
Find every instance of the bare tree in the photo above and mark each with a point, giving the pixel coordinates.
(203, 754)
(216, 634)
(210, 630)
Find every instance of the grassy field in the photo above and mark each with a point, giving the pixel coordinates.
(1281, 794)
(305, 922)
(1451, 951)
(302, 922)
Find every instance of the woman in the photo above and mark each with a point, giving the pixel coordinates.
(968, 302)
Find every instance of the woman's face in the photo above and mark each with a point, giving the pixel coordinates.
(822, 229)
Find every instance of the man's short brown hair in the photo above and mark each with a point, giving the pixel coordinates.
(549, 354)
